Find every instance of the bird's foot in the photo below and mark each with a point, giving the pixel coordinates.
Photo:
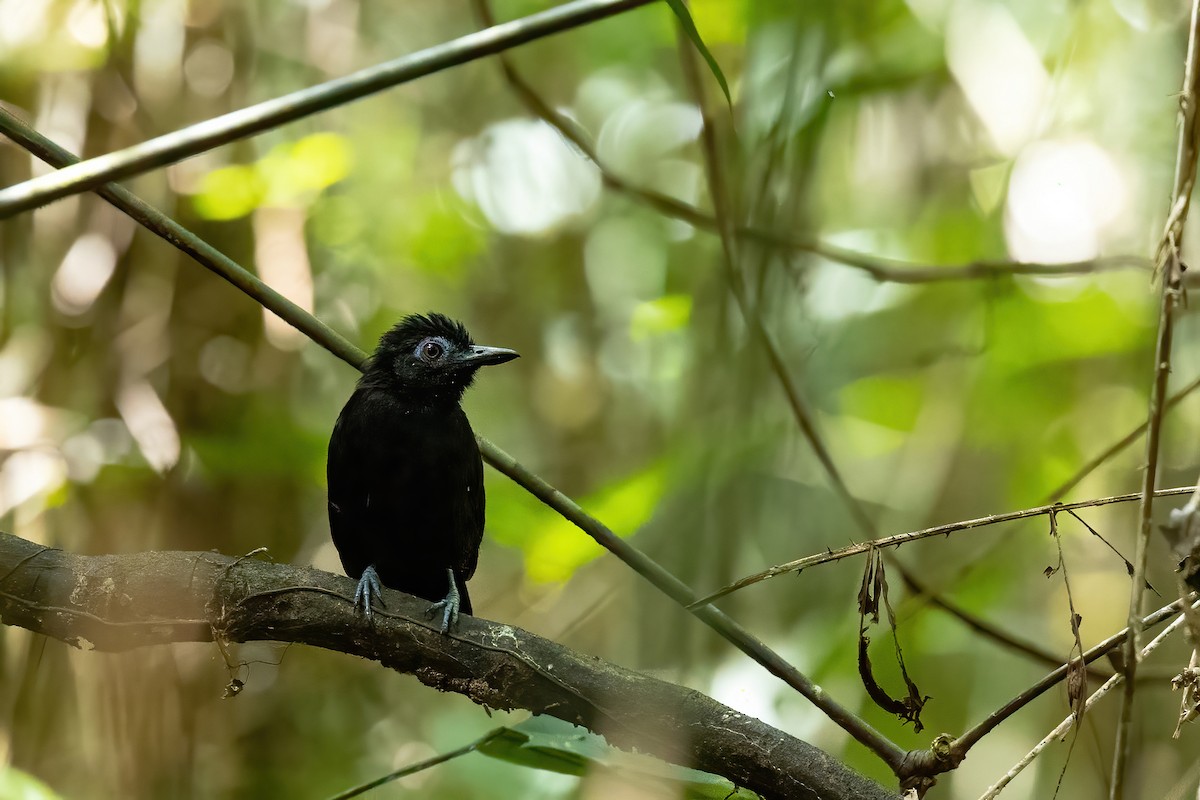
(368, 591)
(448, 606)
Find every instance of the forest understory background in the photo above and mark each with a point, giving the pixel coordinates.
(925, 230)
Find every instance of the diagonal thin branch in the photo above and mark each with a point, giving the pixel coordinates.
(1033, 651)
(723, 624)
(198, 138)
(1171, 266)
(316, 330)
(912, 536)
(200, 597)
(947, 753)
(1061, 729)
(1118, 446)
(420, 766)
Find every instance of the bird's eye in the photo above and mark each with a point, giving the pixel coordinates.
(431, 350)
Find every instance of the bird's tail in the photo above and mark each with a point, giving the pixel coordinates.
(464, 599)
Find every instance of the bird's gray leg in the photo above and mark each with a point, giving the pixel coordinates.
(448, 606)
(369, 589)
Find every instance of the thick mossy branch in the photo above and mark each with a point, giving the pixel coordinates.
(118, 602)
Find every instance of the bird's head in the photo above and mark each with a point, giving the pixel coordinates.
(430, 356)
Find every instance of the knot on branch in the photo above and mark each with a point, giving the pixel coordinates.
(920, 768)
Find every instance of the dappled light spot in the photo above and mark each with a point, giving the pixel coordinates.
(625, 260)
(158, 50)
(28, 474)
(836, 293)
(105, 441)
(23, 423)
(665, 314)
(225, 362)
(525, 178)
(23, 20)
(208, 68)
(281, 255)
(150, 425)
(998, 69)
(1063, 199)
(83, 274)
(87, 24)
(640, 132)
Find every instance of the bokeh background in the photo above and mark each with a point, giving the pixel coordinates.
(145, 403)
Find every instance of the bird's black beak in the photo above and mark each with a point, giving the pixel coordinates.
(480, 356)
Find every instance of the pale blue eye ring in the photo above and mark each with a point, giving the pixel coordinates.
(431, 350)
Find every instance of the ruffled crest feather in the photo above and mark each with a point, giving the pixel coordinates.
(408, 332)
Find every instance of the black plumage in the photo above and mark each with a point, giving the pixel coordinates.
(406, 500)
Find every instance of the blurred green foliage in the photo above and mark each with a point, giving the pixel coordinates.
(289, 175)
(144, 403)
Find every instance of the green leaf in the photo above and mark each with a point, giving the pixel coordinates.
(551, 744)
(689, 27)
(291, 174)
(887, 400)
(228, 193)
(668, 313)
(556, 548)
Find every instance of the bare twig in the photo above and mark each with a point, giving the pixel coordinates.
(277, 111)
(947, 753)
(1189, 681)
(1072, 718)
(320, 333)
(412, 769)
(1074, 666)
(1171, 266)
(925, 533)
(1125, 561)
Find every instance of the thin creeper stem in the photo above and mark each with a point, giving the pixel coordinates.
(413, 769)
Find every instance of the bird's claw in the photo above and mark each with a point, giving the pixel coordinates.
(448, 606)
(369, 590)
(449, 609)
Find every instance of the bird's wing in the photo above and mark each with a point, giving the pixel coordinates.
(340, 474)
(362, 473)
(472, 529)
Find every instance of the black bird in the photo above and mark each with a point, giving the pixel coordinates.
(406, 501)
